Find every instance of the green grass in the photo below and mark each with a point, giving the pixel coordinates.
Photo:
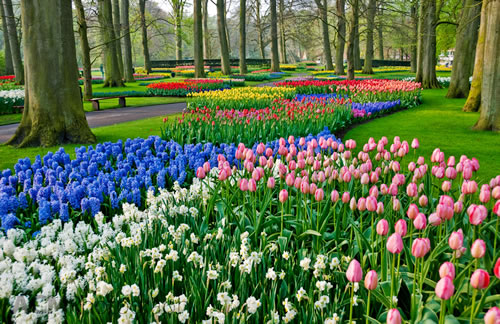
(438, 122)
(10, 119)
(139, 128)
(134, 102)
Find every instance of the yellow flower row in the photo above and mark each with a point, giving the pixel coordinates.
(246, 93)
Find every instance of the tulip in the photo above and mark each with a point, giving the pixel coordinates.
(496, 269)
(346, 197)
(415, 144)
(354, 272)
(412, 211)
(243, 184)
(411, 189)
(444, 211)
(371, 280)
(200, 173)
(319, 195)
(478, 249)
(419, 248)
(484, 196)
(447, 269)
(492, 316)
(446, 186)
(380, 208)
(400, 227)
(423, 201)
(458, 207)
(444, 288)
(456, 240)
(395, 243)
(393, 317)
(496, 208)
(289, 180)
(382, 227)
(283, 195)
(495, 193)
(420, 222)
(480, 279)
(252, 185)
(362, 204)
(271, 183)
(334, 196)
(371, 203)
(434, 219)
(353, 204)
(477, 214)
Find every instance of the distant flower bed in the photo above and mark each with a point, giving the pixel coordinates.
(182, 89)
(9, 99)
(254, 76)
(288, 67)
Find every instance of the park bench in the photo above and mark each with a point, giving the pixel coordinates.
(19, 109)
(96, 105)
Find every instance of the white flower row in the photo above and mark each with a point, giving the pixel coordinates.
(12, 94)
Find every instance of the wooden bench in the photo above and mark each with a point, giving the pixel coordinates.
(19, 109)
(96, 105)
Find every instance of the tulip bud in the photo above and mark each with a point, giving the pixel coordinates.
(444, 288)
(456, 240)
(252, 185)
(435, 220)
(346, 197)
(283, 196)
(334, 196)
(200, 173)
(492, 316)
(353, 204)
(496, 269)
(393, 317)
(371, 280)
(362, 204)
(423, 201)
(480, 279)
(496, 208)
(400, 227)
(380, 208)
(477, 213)
(415, 144)
(395, 243)
(319, 194)
(243, 184)
(382, 227)
(412, 211)
(271, 183)
(446, 186)
(420, 222)
(419, 248)
(447, 269)
(478, 249)
(354, 272)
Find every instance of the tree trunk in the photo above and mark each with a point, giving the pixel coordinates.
(9, 69)
(258, 24)
(414, 36)
(490, 96)
(144, 30)
(323, 11)
(429, 80)
(282, 40)
(224, 46)
(227, 30)
(199, 69)
(128, 69)
(275, 63)
(380, 30)
(341, 34)
(85, 48)
(352, 39)
(243, 37)
(51, 68)
(15, 49)
(116, 21)
(112, 76)
(464, 50)
(357, 52)
(370, 24)
(178, 9)
(206, 35)
(420, 40)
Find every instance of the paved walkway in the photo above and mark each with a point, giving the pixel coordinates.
(112, 116)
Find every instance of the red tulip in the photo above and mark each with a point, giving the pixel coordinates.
(354, 272)
(393, 317)
(395, 243)
(496, 269)
(447, 269)
(480, 279)
(444, 288)
(371, 280)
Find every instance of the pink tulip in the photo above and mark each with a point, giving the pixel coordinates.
(334, 196)
(447, 269)
(371, 280)
(319, 194)
(480, 279)
(395, 243)
(382, 227)
(393, 317)
(252, 185)
(456, 240)
(290, 179)
(362, 204)
(412, 211)
(415, 144)
(477, 214)
(458, 207)
(484, 196)
(313, 188)
(420, 247)
(304, 187)
(423, 201)
(400, 227)
(496, 269)
(206, 167)
(371, 203)
(411, 189)
(492, 316)
(435, 220)
(478, 249)
(420, 222)
(444, 211)
(346, 197)
(446, 186)
(283, 196)
(496, 208)
(353, 204)
(271, 183)
(354, 272)
(444, 288)
(200, 173)
(380, 208)
(243, 184)
(495, 193)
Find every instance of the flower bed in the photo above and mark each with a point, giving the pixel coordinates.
(9, 99)
(182, 89)
(254, 76)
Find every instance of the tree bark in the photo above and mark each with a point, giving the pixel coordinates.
(282, 39)
(420, 40)
(206, 35)
(341, 35)
(128, 69)
(243, 37)
(9, 69)
(323, 11)
(260, 31)
(15, 49)
(85, 49)
(112, 76)
(51, 68)
(144, 31)
(370, 24)
(178, 7)
(380, 30)
(224, 46)
(357, 52)
(275, 63)
(429, 80)
(463, 59)
(116, 21)
(414, 35)
(352, 39)
(490, 96)
(199, 68)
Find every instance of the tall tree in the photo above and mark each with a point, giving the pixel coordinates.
(352, 39)
(370, 24)
(489, 118)
(50, 58)
(341, 36)
(144, 32)
(260, 30)
(224, 46)
(275, 62)
(428, 76)
(323, 12)
(128, 69)
(85, 49)
(380, 31)
(206, 33)
(117, 25)
(199, 69)
(178, 11)
(463, 60)
(357, 52)
(281, 25)
(243, 37)
(15, 49)
(9, 69)
(112, 77)
(414, 35)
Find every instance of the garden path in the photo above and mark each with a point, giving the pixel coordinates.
(112, 116)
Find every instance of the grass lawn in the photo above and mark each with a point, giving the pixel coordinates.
(438, 122)
(112, 133)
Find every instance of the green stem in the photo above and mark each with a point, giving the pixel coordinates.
(392, 279)
(495, 241)
(368, 307)
(474, 293)
(413, 289)
(442, 313)
(352, 300)
(282, 207)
